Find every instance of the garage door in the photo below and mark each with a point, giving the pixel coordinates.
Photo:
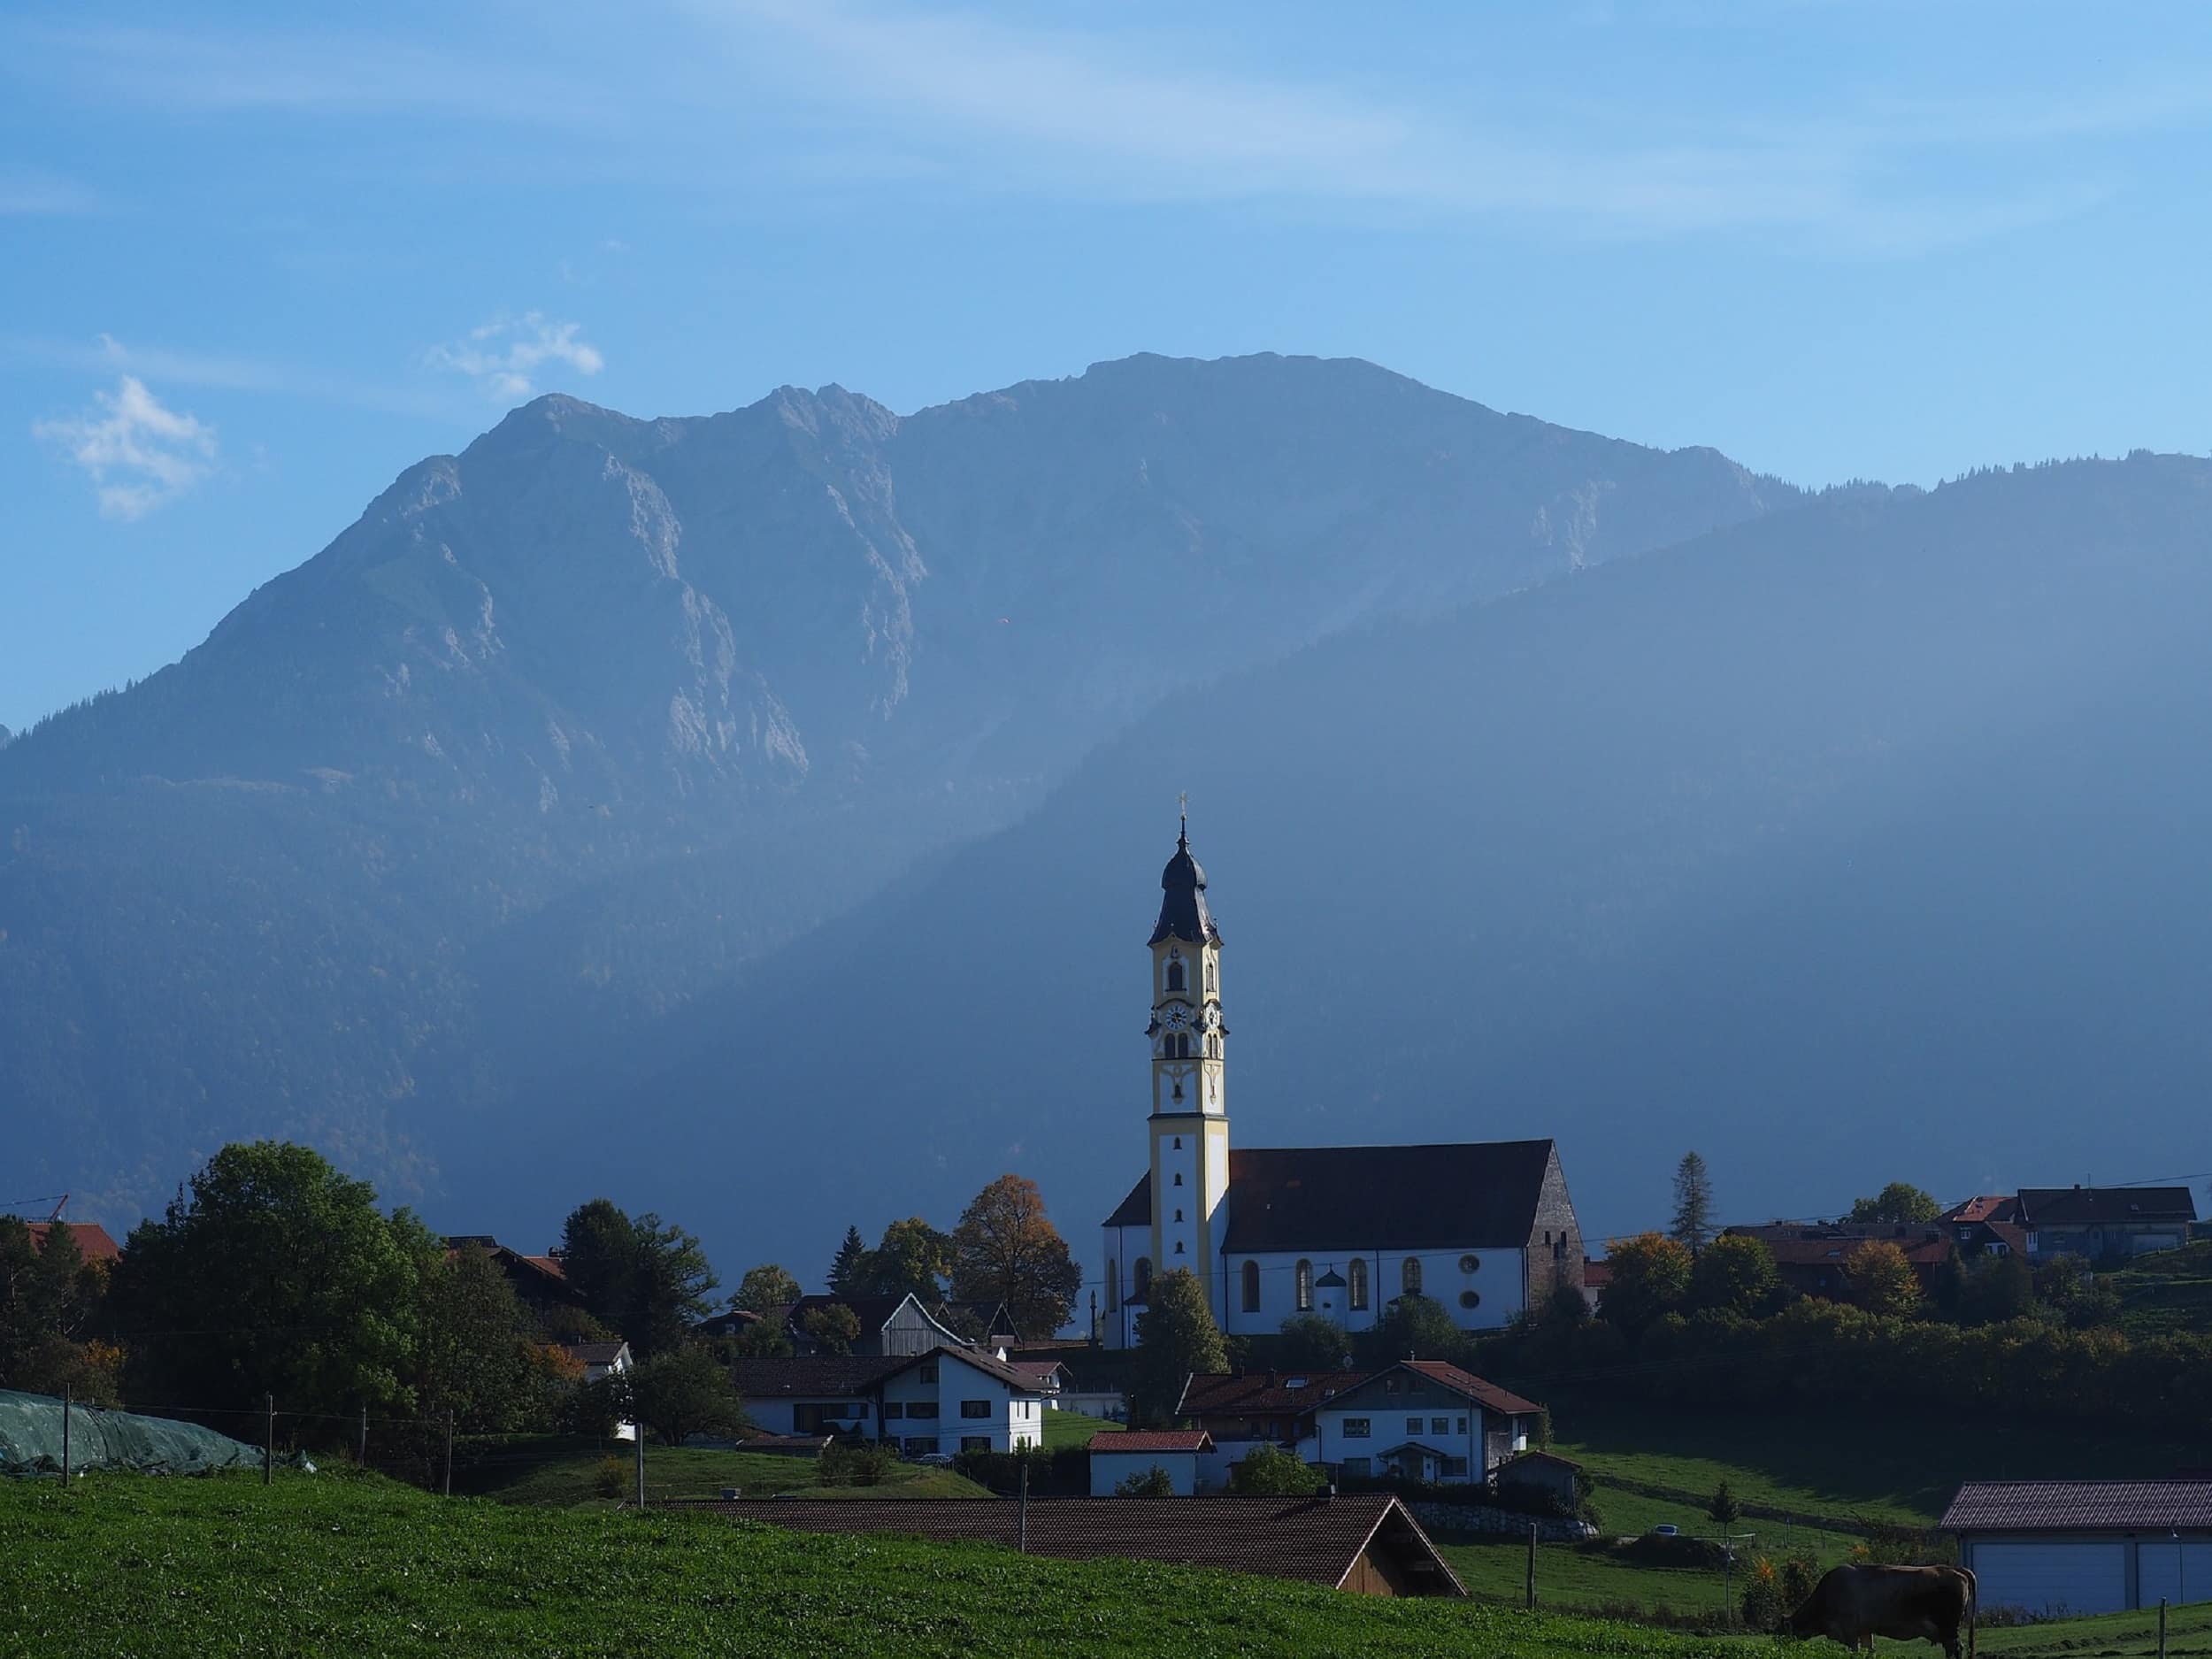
(2178, 1572)
(2052, 1578)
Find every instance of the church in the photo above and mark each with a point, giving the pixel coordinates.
(1484, 1228)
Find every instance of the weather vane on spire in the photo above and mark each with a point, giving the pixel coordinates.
(1182, 807)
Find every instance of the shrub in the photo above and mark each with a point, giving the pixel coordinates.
(1762, 1596)
(1152, 1483)
(612, 1479)
(1270, 1472)
(862, 1463)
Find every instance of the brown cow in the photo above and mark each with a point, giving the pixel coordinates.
(1853, 1605)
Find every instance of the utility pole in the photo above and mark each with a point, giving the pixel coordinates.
(268, 1438)
(2161, 1627)
(68, 1409)
(362, 1457)
(449, 1451)
(637, 1437)
(1022, 1518)
(1531, 1566)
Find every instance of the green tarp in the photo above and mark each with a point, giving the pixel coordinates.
(30, 1441)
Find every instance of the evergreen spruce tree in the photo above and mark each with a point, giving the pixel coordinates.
(1692, 1203)
(848, 1273)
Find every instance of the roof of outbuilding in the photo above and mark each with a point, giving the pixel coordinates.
(1135, 1442)
(1475, 1195)
(2085, 1206)
(2031, 1506)
(1315, 1540)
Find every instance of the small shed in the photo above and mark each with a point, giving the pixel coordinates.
(1542, 1474)
(2084, 1546)
(1115, 1457)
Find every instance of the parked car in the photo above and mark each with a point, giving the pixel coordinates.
(1666, 1529)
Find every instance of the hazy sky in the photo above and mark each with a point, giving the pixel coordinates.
(252, 264)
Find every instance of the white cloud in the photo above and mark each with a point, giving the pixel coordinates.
(504, 355)
(138, 453)
(32, 190)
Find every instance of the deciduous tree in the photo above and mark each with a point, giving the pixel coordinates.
(645, 1277)
(1006, 1249)
(833, 1327)
(911, 1256)
(1154, 1482)
(1735, 1274)
(764, 1287)
(1648, 1276)
(1413, 1326)
(1176, 1336)
(1312, 1341)
(1273, 1472)
(1881, 1278)
(683, 1392)
(478, 1356)
(277, 1274)
(1899, 1200)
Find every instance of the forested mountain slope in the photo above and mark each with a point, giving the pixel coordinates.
(601, 713)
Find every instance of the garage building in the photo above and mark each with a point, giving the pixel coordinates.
(2081, 1547)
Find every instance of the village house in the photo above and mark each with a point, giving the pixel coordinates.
(1810, 1258)
(1420, 1420)
(1173, 1452)
(1540, 1475)
(943, 1400)
(1423, 1420)
(2104, 1223)
(539, 1282)
(1368, 1544)
(1486, 1230)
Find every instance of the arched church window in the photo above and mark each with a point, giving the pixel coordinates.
(1113, 1287)
(1358, 1283)
(1178, 1177)
(1175, 971)
(1140, 1277)
(1410, 1276)
(1178, 1246)
(1179, 1143)
(1178, 1214)
(1251, 1287)
(1305, 1285)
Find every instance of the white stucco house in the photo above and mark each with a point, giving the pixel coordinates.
(946, 1399)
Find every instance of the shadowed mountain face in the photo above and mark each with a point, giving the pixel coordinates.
(1861, 842)
(603, 715)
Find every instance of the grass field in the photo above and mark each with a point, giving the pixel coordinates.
(567, 1473)
(1903, 1468)
(2168, 1292)
(1659, 1464)
(1072, 1428)
(356, 1565)
(2118, 1635)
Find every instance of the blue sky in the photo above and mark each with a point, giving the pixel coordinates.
(252, 264)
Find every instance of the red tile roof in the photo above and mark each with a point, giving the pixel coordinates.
(1488, 1395)
(1318, 1541)
(1596, 1275)
(1991, 1207)
(93, 1243)
(1263, 1393)
(2032, 1506)
(1135, 1442)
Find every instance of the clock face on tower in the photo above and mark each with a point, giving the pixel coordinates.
(1176, 1017)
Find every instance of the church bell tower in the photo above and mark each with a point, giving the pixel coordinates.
(1189, 1121)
